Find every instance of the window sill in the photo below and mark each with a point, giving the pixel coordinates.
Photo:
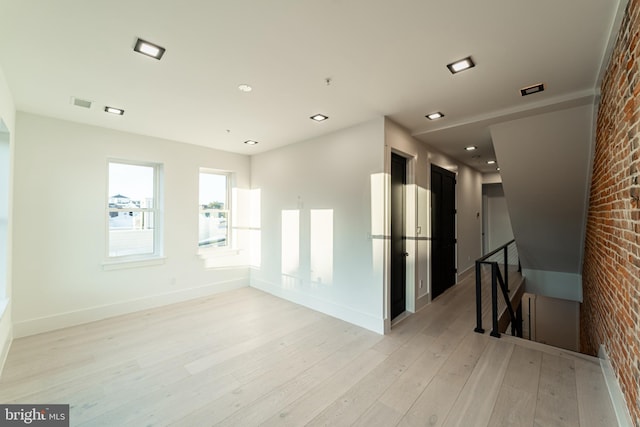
(207, 253)
(132, 263)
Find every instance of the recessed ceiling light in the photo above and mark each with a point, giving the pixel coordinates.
(461, 65)
(244, 88)
(497, 169)
(113, 110)
(149, 49)
(250, 142)
(532, 89)
(433, 116)
(491, 162)
(471, 148)
(319, 117)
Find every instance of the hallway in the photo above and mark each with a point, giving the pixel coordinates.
(246, 358)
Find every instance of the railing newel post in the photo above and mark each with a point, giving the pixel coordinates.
(494, 300)
(506, 265)
(479, 298)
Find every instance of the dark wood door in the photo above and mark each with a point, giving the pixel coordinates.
(443, 230)
(398, 241)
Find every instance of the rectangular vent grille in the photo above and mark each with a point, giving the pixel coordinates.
(80, 102)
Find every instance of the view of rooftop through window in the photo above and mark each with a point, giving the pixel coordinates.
(214, 210)
(131, 209)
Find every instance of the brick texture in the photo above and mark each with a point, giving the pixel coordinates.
(610, 313)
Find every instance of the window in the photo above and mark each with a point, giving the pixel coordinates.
(213, 230)
(133, 210)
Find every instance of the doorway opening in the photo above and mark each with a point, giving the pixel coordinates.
(443, 230)
(398, 283)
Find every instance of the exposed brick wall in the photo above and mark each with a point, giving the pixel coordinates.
(610, 314)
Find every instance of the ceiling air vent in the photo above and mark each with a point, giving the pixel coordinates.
(532, 89)
(80, 102)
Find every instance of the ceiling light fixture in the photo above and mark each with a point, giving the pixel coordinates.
(149, 49)
(434, 116)
(113, 110)
(461, 65)
(491, 162)
(471, 148)
(245, 88)
(250, 142)
(530, 90)
(319, 117)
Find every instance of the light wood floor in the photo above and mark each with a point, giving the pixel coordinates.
(246, 358)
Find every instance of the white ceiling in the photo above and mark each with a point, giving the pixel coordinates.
(383, 58)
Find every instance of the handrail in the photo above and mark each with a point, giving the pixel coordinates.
(496, 279)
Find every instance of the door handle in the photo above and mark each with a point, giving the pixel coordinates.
(405, 254)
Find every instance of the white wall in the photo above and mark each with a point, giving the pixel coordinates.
(468, 204)
(323, 188)
(7, 126)
(497, 230)
(545, 164)
(554, 284)
(552, 321)
(60, 225)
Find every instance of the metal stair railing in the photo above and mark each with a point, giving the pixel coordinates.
(497, 279)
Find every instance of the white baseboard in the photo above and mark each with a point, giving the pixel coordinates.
(617, 398)
(423, 302)
(72, 318)
(341, 312)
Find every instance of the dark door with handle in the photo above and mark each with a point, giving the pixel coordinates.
(443, 230)
(398, 241)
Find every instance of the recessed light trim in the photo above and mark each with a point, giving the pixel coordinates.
(530, 90)
(461, 65)
(114, 110)
(250, 142)
(319, 117)
(471, 148)
(435, 116)
(245, 88)
(149, 49)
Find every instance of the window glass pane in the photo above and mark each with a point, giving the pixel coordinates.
(131, 233)
(213, 191)
(214, 228)
(130, 186)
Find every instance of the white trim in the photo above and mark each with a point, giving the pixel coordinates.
(92, 314)
(156, 210)
(330, 308)
(132, 263)
(5, 346)
(228, 203)
(617, 398)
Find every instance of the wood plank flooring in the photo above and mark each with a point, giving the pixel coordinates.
(246, 358)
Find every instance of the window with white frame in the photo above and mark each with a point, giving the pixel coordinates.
(133, 211)
(214, 218)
